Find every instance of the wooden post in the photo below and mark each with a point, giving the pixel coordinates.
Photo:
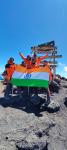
(54, 68)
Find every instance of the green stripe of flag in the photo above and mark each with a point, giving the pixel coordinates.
(30, 83)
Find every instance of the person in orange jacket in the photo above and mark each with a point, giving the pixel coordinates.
(50, 70)
(9, 69)
(46, 63)
(27, 60)
(38, 60)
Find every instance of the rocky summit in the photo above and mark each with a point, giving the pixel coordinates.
(26, 126)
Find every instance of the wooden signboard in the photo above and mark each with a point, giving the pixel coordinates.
(55, 56)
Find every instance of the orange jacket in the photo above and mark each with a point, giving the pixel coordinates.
(9, 71)
(28, 63)
(38, 60)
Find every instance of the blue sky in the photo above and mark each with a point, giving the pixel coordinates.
(24, 23)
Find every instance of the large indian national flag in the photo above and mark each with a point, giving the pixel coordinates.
(36, 77)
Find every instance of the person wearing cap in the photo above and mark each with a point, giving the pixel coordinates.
(27, 60)
(10, 60)
(9, 69)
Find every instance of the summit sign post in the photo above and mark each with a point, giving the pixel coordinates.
(51, 49)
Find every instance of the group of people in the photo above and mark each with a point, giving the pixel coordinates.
(34, 61)
(28, 62)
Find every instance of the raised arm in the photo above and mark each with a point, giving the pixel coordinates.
(43, 57)
(22, 56)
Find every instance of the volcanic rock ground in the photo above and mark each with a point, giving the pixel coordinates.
(26, 127)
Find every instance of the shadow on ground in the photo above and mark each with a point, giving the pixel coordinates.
(24, 104)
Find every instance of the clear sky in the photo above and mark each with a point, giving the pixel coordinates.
(24, 23)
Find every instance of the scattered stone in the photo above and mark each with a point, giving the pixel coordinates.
(65, 103)
(40, 128)
(6, 138)
(53, 107)
(65, 86)
(45, 132)
(54, 86)
(24, 145)
(39, 134)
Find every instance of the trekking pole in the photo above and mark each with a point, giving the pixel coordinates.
(12, 90)
(28, 91)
